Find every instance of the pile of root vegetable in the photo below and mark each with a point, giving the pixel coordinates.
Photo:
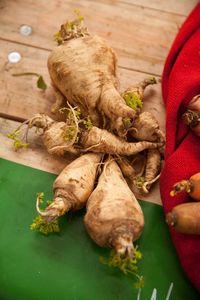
(116, 144)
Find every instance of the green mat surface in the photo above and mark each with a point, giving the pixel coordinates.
(66, 266)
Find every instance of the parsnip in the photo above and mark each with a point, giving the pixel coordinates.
(73, 186)
(83, 72)
(152, 170)
(146, 128)
(127, 169)
(100, 140)
(114, 217)
(60, 137)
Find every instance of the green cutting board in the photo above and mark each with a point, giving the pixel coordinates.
(66, 266)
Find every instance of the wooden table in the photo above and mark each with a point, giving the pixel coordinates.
(140, 31)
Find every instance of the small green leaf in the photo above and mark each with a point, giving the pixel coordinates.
(41, 84)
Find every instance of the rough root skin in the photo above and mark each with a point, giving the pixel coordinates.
(93, 90)
(146, 128)
(153, 166)
(100, 140)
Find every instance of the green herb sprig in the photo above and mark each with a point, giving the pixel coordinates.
(127, 265)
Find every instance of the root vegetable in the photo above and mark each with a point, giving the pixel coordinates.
(100, 140)
(190, 186)
(153, 166)
(114, 219)
(72, 187)
(134, 94)
(83, 70)
(127, 169)
(61, 137)
(192, 116)
(185, 218)
(146, 128)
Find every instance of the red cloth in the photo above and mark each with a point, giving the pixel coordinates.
(180, 82)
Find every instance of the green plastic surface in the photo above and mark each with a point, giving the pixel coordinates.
(66, 266)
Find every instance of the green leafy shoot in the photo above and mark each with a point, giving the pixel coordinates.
(88, 123)
(17, 142)
(127, 265)
(132, 100)
(41, 84)
(39, 223)
(71, 29)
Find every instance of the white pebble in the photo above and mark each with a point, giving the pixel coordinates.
(25, 30)
(14, 57)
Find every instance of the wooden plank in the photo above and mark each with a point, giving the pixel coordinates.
(37, 157)
(140, 36)
(182, 7)
(19, 96)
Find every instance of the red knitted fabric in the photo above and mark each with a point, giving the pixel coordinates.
(181, 81)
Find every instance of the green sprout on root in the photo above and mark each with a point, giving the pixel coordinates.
(132, 100)
(127, 265)
(74, 119)
(88, 123)
(39, 223)
(17, 142)
(41, 84)
(71, 29)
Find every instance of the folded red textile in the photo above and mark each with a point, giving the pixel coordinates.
(180, 82)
